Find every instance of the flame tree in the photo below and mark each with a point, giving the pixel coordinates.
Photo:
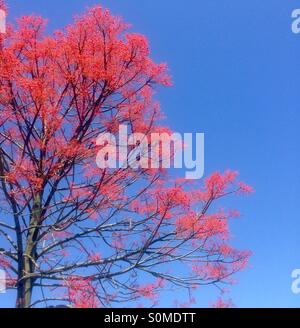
(74, 233)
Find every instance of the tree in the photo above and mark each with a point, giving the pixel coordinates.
(72, 232)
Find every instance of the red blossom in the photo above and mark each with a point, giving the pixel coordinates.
(220, 303)
(81, 292)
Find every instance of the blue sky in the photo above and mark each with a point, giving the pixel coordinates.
(235, 66)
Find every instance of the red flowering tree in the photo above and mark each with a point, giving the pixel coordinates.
(74, 233)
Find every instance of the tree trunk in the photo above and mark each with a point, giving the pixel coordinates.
(25, 286)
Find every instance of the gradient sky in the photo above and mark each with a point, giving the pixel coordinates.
(235, 67)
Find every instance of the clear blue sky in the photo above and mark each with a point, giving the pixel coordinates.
(235, 66)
